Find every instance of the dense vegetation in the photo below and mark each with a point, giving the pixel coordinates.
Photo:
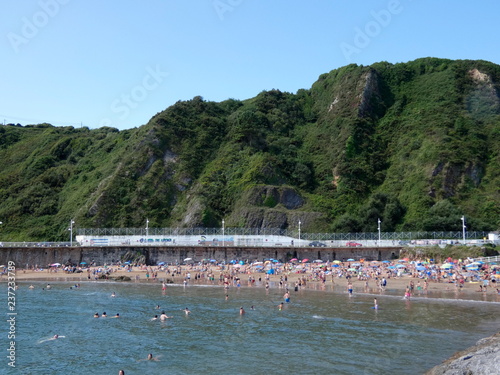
(415, 144)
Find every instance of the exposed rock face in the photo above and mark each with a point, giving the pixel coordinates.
(481, 359)
(288, 197)
(369, 93)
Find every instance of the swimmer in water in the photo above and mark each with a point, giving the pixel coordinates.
(96, 315)
(375, 304)
(155, 317)
(150, 358)
(242, 311)
(280, 306)
(55, 337)
(186, 311)
(116, 316)
(113, 294)
(31, 287)
(164, 316)
(121, 372)
(104, 315)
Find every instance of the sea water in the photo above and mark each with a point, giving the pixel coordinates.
(317, 332)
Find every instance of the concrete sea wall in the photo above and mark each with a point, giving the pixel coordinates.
(151, 255)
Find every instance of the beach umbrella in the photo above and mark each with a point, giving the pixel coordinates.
(392, 267)
(400, 266)
(352, 269)
(293, 260)
(317, 261)
(127, 262)
(161, 263)
(83, 262)
(55, 264)
(257, 263)
(356, 264)
(305, 260)
(350, 260)
(188, 259)
(446, 266)
(420, 268)
(336, 261)
(386, 261)
(213, 261)
(237, 265)
(335, 265)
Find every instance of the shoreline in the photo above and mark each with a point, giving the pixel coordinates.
(396, 286)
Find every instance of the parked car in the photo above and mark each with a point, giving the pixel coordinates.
(353, 244)
(317, 244)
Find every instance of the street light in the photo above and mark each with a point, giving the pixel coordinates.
(147, 229)
(70, 231)
(463, 227)
(379, 231)
(223, 238)
(299, 231)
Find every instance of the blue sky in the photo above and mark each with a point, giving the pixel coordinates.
(118, 63)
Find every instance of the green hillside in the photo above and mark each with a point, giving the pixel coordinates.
(415, 144)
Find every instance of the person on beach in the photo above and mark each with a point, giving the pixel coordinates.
(407, 293)
(349, 288)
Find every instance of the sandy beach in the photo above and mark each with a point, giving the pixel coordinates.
(310, 277)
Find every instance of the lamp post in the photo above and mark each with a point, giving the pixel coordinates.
(299, 231)
(379, 231)
(463, 227)
(223, 238)
(70, 232)
(147, 229)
